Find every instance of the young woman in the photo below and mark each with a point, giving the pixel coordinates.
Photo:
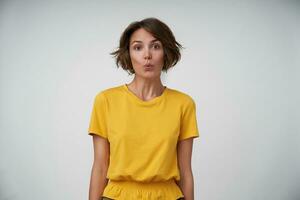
(143, 131)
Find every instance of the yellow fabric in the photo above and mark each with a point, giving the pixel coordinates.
(143, 137)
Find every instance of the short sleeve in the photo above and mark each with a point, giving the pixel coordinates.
(188, 124)
(98, 117)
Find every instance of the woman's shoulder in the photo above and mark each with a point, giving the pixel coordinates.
(180, 94)
(108, 91)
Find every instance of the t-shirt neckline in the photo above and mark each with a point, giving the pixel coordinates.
(142, 102)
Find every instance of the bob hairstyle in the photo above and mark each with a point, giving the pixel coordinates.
(160, 31)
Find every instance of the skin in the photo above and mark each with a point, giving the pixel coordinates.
(144, 49)
(146, 85)
(98, 179)
(184, 155)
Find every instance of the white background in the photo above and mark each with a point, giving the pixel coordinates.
(240, 64)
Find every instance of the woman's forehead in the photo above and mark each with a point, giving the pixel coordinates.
(141, 35)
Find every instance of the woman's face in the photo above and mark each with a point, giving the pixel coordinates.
(145, 49)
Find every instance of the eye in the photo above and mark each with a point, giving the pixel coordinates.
(136, 47)
(156, 46)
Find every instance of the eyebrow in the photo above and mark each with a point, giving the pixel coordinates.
(141, 41)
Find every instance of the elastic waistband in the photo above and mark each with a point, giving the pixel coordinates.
(143, 185)
(126, 189)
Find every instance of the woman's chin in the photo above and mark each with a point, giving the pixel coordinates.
(150, 74)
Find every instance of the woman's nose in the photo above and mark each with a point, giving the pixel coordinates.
(147, 54)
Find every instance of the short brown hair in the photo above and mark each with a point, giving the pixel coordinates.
(160, 31)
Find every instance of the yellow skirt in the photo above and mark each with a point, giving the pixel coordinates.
(129, 190)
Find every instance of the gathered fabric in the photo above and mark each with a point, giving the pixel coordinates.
(129, 190)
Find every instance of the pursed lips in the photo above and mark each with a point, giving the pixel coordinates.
(148, 65)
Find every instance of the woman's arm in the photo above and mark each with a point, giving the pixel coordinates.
(99, 171)
(184, 153)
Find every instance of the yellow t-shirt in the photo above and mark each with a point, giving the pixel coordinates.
(143, 137)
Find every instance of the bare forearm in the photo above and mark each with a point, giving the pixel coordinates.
(186, 185)
(97, 183)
